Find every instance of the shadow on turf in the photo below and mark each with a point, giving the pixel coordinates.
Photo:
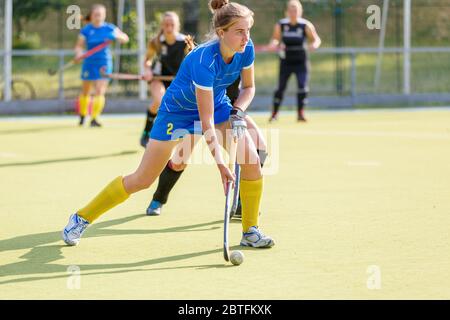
(41, 256)
(97, 230)
(45, 267)
(34, 163)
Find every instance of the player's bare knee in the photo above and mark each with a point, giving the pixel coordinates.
(154, 107)
(261, 143)
(142, 182)
(251, 171)
(178, 166)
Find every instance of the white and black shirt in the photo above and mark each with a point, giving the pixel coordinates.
(170, 57)
(294, 39)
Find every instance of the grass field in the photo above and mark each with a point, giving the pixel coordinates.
(354, 190)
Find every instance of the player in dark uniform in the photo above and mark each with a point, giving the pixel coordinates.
(291, 35)
(165, 53)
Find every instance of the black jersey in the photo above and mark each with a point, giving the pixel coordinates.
(170, 57)
(294, 39)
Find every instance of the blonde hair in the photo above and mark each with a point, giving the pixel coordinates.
(296, 3)
(174, 16)
(94, 7)
(156, 42)
(225, 14)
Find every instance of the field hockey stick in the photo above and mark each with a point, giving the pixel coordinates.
(237, 173)
(226, 220)
(265, 48)
(128, 76)
(84, 56)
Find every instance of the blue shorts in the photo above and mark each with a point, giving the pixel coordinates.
(174, 126)
(91, 71)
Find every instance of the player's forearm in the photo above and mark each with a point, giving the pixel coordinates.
(149, 57)
(274, 42)
(78, 50)
(316, 43)
(212, 141)
(245, 97)
(205, 102)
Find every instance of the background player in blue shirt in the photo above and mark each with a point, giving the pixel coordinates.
(96, 32)
(292, 34)
(196, 103)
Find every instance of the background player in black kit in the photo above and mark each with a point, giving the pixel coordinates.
(292, 35)
(164, 55)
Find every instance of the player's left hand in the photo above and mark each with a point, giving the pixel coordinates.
(312, 47)
(238, 123)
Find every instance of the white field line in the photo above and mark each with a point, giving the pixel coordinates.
(8, 155)
(413, 135)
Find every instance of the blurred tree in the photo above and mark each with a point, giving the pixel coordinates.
(191, 16)
(28, 10)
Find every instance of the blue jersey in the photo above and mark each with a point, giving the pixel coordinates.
(95, 36)
(205, 68)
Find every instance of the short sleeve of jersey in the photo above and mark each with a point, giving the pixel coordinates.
(249, 55)
(110, 30)
(203, 74)
(84, 31)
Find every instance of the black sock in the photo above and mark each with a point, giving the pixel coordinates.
(277, 98)
(149, 122)
(167, 180)
(262, 154)
(301, 101)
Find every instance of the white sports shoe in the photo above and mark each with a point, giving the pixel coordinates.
(74, 230)
(255, 238)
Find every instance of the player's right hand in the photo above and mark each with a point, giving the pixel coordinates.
(226, 175)
(78, 57)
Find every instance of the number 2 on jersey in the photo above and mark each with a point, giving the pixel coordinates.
(169, 128)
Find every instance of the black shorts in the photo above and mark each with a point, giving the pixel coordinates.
(299, 68)
(166, 84)
(233, 90)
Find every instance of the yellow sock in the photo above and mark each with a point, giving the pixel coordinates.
(97, 106)
(251, 193)
(113, 194)
(83, 102)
